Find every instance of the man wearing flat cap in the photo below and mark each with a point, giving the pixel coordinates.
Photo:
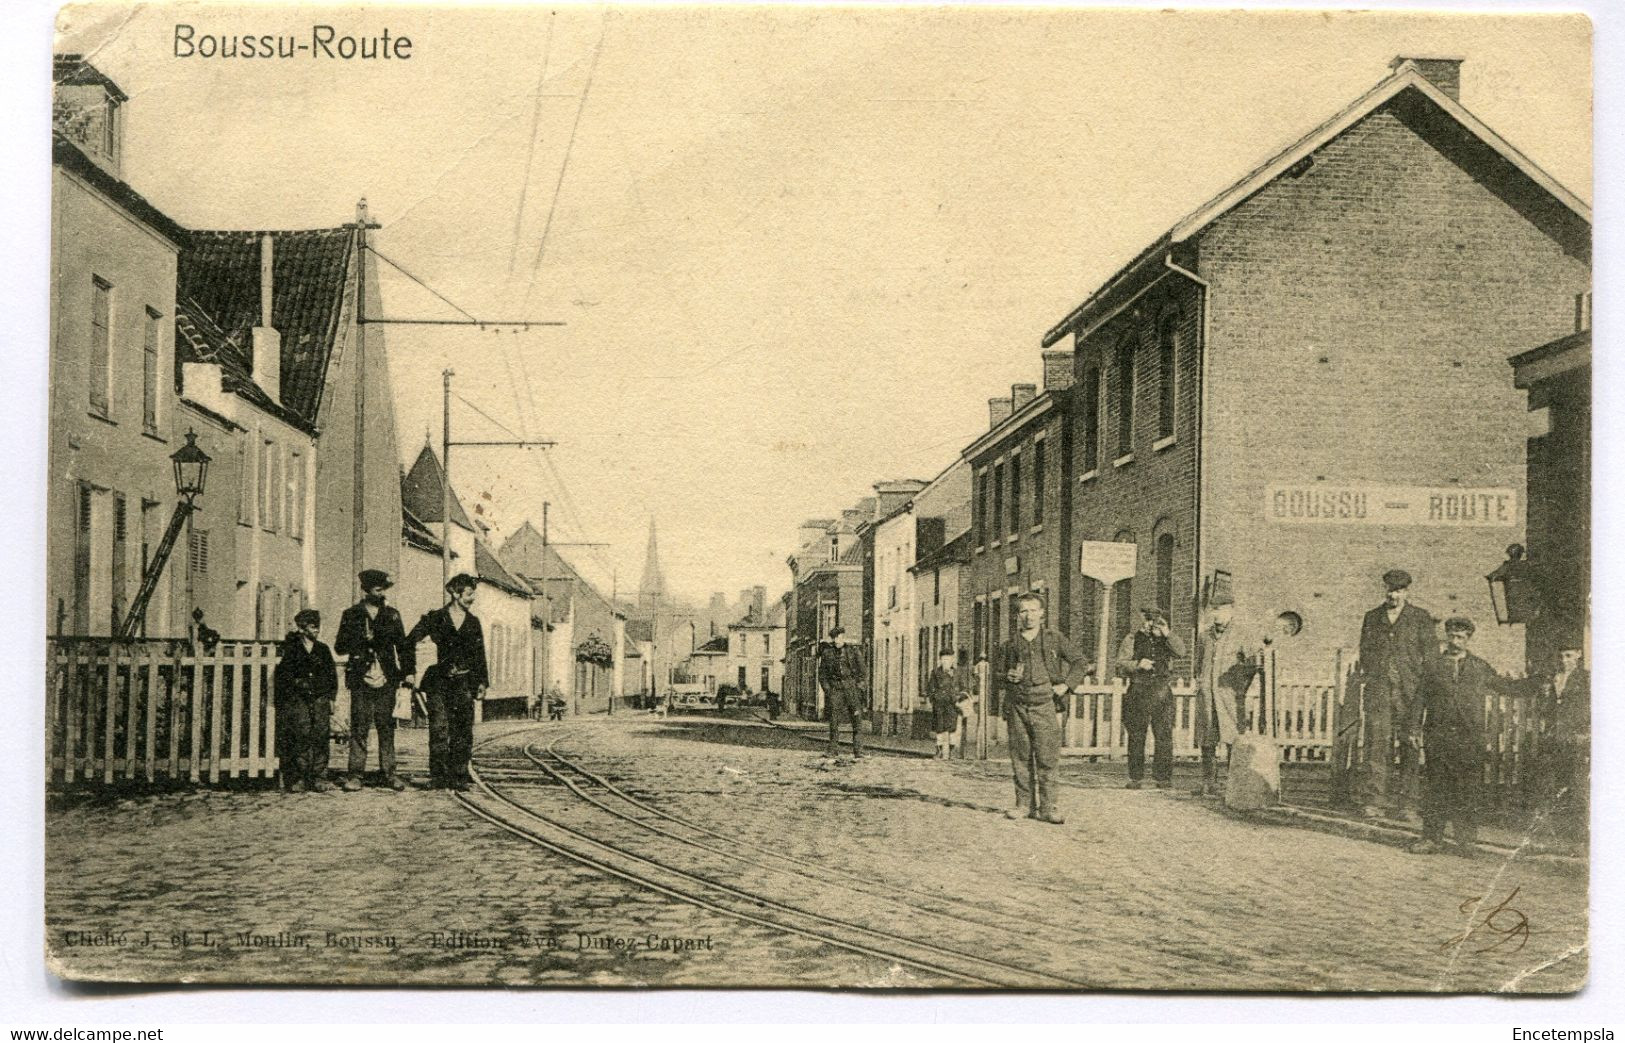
(457, 679)
(840, 672)
(305, 682)
(1396, 640)
(381, 660)
(1038, 666)
(1455, 687)
(1146, 657)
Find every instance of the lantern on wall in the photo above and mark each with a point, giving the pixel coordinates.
(1512, 589)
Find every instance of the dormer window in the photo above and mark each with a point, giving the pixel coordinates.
(87, 110)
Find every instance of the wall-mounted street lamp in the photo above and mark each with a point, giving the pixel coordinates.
(1512, 589)
(191, 472)
(191, 469)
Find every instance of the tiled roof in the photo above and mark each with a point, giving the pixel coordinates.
(417, 534)
(424, 486)
(489, 569)
(220, 272)
(72, 69)
(639, 631)
(198, 338)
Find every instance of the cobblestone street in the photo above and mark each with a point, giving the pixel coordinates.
(1145, 889)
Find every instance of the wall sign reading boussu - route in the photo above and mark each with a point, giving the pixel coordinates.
(1448, 506)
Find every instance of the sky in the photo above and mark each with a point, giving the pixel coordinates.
(796, 250)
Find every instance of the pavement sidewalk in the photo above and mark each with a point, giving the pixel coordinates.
(1493, 840)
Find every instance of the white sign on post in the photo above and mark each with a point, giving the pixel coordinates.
(1109, 563)
(1106, 561)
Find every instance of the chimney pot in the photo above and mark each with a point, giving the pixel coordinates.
(1443, 73)
(1057, 369)
(267, 360)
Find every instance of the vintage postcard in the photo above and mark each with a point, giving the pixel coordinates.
(790, 497)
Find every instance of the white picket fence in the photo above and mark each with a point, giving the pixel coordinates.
(1300, 716)
(152, 709)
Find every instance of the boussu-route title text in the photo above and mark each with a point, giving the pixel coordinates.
(323, 41)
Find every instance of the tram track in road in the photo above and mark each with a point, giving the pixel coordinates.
(1010, 921)
(702, 889)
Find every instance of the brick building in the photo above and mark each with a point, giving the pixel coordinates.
(1021, 518)
(1302, 383)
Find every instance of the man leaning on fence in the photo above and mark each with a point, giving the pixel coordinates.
(305, 683)
(381, 660)
(1038, 666)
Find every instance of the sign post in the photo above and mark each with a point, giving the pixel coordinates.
(1108, 563)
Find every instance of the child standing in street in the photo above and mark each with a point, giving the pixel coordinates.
(946, 689)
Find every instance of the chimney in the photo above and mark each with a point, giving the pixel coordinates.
(267, 360)
(1021, 394)
(1057, 369)
(1443, 73)
(998, 411)
(758, 604)
(813, 529)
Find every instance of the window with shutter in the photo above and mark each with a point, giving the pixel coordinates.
(149, 374)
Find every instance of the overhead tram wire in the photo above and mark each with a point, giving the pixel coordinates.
(530, 154)
(552, 209)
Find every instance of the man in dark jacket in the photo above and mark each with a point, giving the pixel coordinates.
(1563, 741)
(1146, 658)
(458, 678)
(1454, 689)
(1396, 639)
(1037, 666)
(381, 660)
(840, 672)
(306, 681)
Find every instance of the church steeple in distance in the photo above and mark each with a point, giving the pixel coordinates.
(653, 586)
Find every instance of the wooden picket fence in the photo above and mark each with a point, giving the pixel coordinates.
(1313, 722)
(150, 710)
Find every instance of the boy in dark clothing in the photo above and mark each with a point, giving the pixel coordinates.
(305, 682)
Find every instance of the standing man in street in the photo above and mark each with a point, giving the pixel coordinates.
(305, 683)
(1038, 666)
(1146, 658)
(1225, 668)
(840, 672)
(381, 660)
(1396, 640)
(1454, 688)
(458, 678)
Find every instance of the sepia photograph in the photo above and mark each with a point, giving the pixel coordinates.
(824, 498)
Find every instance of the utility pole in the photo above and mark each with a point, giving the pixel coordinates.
(446, 446)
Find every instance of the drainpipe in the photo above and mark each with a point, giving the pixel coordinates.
(1201, 434)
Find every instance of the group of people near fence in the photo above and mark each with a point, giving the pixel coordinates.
(1412, 732)
(380, 670)
(1416, 734)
